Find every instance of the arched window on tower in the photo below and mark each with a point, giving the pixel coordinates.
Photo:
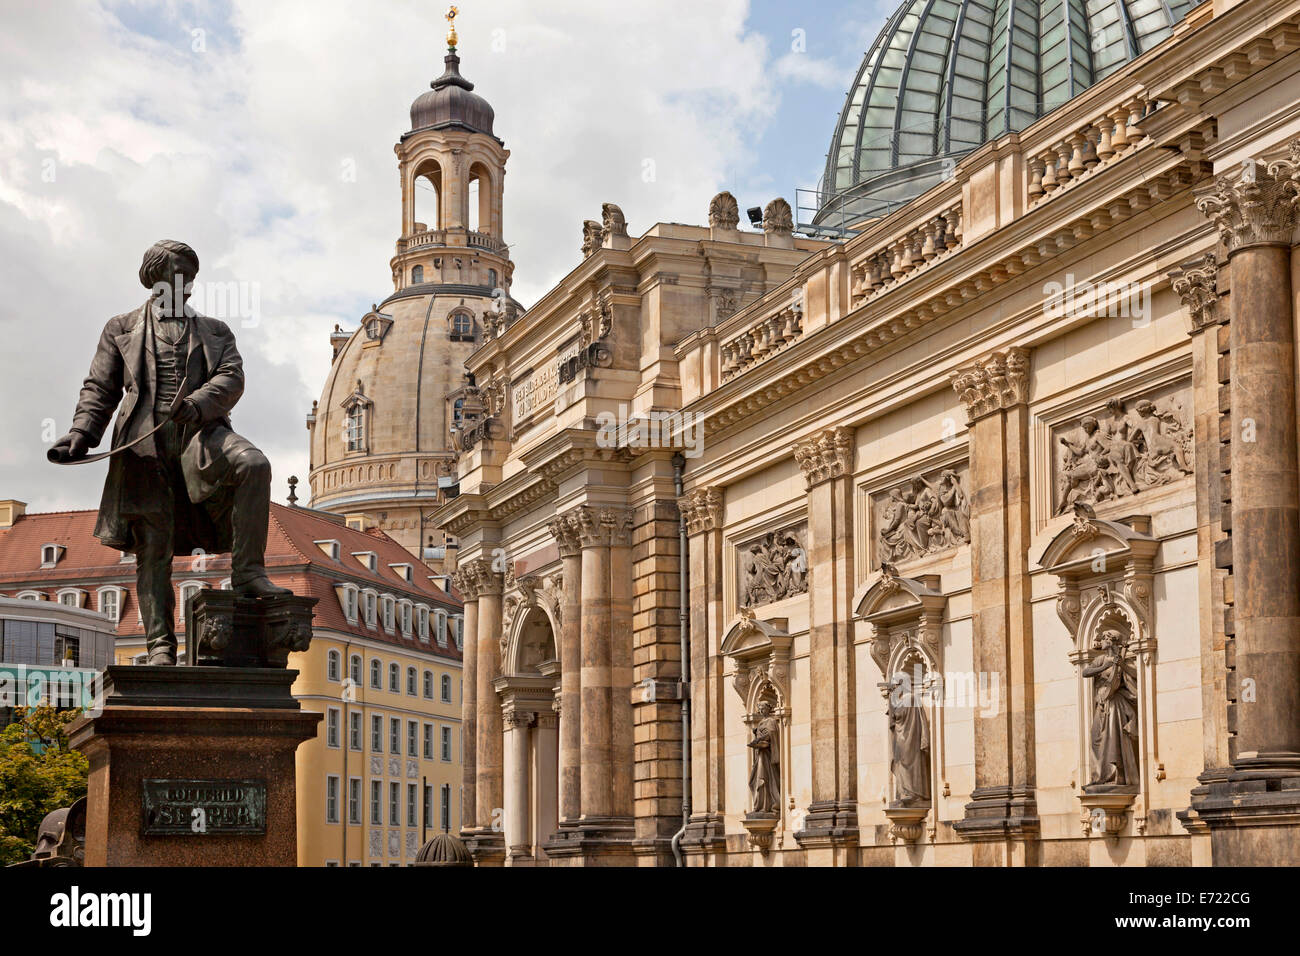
(473, 223)
(492, 279)
(417, 275)
(427, 198)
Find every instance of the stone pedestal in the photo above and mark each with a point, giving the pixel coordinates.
(193, 766)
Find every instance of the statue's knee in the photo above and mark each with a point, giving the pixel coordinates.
(251, 465)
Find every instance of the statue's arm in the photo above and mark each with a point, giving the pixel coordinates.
(101, 391)
(218, 395)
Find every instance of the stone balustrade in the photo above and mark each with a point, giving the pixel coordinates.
(763, 339)
(905, 253)
(430, 237)
(1118, 131)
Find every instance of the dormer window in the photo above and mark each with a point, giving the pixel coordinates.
(348, 601)
(403, 571)
(110, 603)
(72, 597)
(50, 554)
(370, 602)
(330, 547)
(422, 622)
(377, 324)
(389, 605)
(369, 559)
(404, 617)
(442, 629)
(356, 419)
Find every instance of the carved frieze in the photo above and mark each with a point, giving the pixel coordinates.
(1129, 446)
(925, 514)
(826, 455)
(772, 567)
(998, 381)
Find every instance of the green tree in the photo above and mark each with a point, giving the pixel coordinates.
(39, 772)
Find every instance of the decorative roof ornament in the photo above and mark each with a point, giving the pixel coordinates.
(451, 29)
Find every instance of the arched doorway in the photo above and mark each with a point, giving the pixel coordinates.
(531, 727)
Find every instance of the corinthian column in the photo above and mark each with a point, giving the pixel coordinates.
(1002, 817)
(565, 530)
(1256, 213)
(618, 521)
(467, 585)
(827, 463)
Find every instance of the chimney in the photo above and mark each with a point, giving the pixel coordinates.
(10, 511)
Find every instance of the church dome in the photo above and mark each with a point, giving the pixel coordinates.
(452, 102)
(946, 76)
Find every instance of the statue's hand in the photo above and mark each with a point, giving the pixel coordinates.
(187, 413)
(70, 447)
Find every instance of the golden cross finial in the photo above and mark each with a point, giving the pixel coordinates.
(451, 29)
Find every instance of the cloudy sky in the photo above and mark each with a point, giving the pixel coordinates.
(262, 132)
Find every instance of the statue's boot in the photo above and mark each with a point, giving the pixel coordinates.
(250, 515)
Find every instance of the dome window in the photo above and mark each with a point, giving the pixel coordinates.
(417, 275)
(356, 421)
(462, 328)
(376, 324)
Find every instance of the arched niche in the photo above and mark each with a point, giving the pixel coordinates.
(1104, 572)
(906, 618)
(531, 619)
(760, 652)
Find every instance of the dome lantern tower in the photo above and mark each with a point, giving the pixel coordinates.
(383, 433)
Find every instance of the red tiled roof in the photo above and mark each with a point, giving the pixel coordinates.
(292, 558)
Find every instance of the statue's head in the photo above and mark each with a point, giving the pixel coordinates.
(764, 708)
(169, 265)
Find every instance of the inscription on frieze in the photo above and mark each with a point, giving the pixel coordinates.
(202, 807)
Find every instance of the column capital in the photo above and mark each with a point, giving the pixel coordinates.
(702, 509)
(566, 531)
(466, 584)
(1258, 205)
(826, 455)
(517, 719)
(600, 527)
(997, 381)
(476, 578)
(1197, 284)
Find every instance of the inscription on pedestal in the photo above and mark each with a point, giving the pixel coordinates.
(203, 807)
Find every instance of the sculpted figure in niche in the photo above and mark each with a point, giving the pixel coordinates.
(909, 742)
(773, 568)
(1114, 713)
(1124, 453)
(922, 517)
(765, 761)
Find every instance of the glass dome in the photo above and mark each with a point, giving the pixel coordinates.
(946, 76)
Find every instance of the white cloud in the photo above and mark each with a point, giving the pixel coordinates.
(238, 150)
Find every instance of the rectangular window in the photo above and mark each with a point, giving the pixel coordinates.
(410, 804)
(331, 799)
(354, 730)
(377, 734)
(412, 728)
(376, 802)
(428, 741)
(428, 805)
(354, 800)
(332, 727)
(446, 743)
(410, 681)
(428, 685)
(446, 806)
(394, 818)
(394, 736)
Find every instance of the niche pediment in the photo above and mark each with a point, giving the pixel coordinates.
(1088, 540)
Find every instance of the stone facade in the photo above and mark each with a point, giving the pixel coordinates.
(991, 510)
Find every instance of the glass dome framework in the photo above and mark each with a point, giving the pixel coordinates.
(946, 76)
